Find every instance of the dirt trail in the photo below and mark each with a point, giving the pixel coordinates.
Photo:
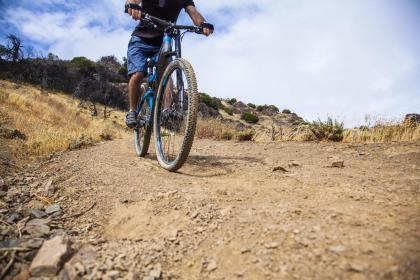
(228, 215)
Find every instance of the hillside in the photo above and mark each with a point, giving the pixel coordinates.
(87, 207)
(35, 124)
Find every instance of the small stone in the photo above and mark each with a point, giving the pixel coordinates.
(48, 188)
(149, 278)
(294, 164)
(338, 164)
(358, 266)
(52, 208)
(226, 211)
(33, 243)
(155, 273)
(113, 274)
(194, 215)
(212, 265)
(14, 217)
(35, 204)
(337, 249)
(38, 213)
(173, 235)
(51, 257)
(245, 250)
(3, 186)
(272, 245)
(279, 168)
(85, 257)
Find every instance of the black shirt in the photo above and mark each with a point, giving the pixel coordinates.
(164, 9)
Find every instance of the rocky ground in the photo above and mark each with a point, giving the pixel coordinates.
(236, 210)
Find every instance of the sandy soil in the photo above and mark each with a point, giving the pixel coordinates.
(228, 215)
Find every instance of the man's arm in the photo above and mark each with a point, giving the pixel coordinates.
(197, 18)
(134, 13)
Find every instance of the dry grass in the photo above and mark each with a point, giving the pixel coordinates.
(381, 133)
(209, 128)
(50, 122)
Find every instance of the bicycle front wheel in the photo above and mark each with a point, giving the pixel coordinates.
(175, 114)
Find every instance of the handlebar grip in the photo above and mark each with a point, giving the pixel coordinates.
(207, 25)
(132, 6)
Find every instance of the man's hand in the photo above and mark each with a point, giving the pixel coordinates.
(136, 15)
(207, 31)
(198, 19)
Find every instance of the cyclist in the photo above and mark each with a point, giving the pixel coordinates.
(146, 41)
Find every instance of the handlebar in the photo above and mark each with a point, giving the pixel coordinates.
(163, 24)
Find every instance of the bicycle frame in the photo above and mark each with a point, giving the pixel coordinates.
(153, 72)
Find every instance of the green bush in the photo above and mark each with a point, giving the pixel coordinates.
(246, 135)
(286, 111)
(232, 101)
(260, 108)
(249, 117)
(330, 130)
(251, 105)
(227, 135)
(228, 111)
(210, 101)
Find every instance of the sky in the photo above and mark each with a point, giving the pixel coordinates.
(345, 59)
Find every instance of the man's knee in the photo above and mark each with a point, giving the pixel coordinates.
(136, 77)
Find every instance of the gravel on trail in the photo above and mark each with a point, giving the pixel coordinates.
(234, 211)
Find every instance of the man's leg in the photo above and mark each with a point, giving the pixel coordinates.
(133, 89)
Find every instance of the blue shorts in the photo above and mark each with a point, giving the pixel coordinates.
(138, 53)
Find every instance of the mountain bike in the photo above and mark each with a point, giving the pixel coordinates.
(169, 100)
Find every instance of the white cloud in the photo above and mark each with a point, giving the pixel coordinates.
(339, 58)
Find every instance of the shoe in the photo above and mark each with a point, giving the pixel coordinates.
(131, 119)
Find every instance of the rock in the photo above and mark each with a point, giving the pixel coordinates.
(338, 164)
(358, 266)
(194, 215)
(13, 218)
(173, 235)
(52, 208)
(51, 257)
(38, 213)
(33, 243)
(3, 186)
(148, 278)
(337, 249)
(113, 274)
(37, 227)
(212, 265)
(279, 168)
(35, 204)
(48, 189)
(76, 267)
(272, 245)
(155, 273)
(294, 164)
(226, 211)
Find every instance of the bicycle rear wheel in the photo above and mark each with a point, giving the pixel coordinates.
(175, 114)
(143, 129)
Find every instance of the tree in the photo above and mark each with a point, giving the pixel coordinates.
(14, 48)
(110, 62)
(86, 67)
